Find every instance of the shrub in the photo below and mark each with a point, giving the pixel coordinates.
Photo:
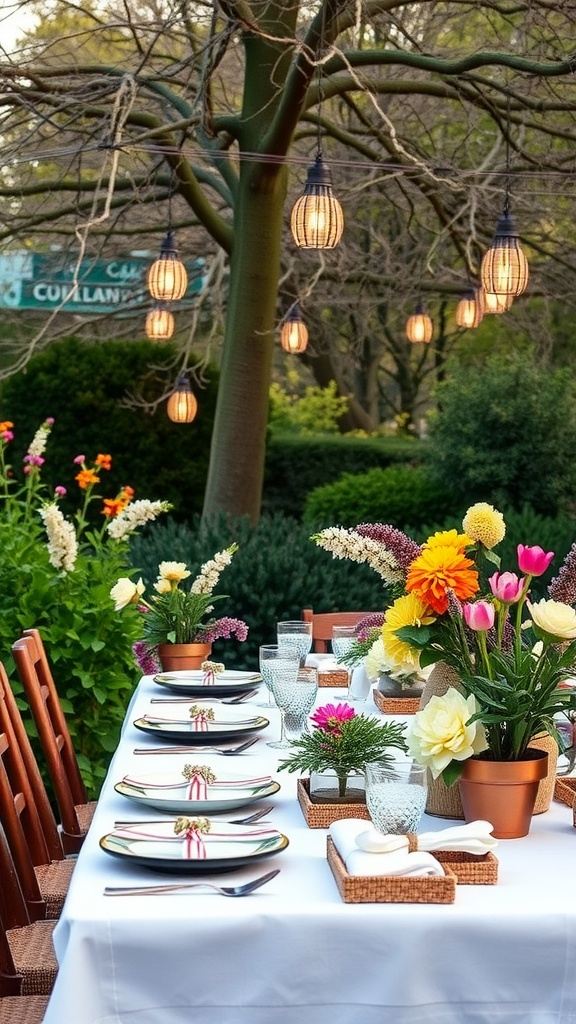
(506, 433)
(404, 496)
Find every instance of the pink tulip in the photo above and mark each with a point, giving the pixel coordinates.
(506, 586)
(533, 561)
(479, 615)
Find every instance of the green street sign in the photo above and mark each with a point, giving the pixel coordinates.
(45, 281)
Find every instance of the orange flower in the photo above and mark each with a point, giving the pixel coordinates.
(439, 569)
(103, 461)
(113, 507)
(127, 493)
(5, 425)
(87, 477)
(449, 539)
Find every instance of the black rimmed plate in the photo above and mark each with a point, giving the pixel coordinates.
(155, 845)
(194, 683)
(228, 722)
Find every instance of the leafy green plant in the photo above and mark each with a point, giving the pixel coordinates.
(316, 411)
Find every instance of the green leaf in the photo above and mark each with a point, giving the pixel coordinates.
(452, 772)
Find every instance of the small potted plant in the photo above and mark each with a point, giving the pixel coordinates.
(335, 754)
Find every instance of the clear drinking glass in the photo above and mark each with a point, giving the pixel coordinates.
(395, 796)
(295, 694)
(273, 658)
(295, 635)
(343, 638)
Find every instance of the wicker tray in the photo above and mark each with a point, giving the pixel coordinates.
(338, 677)
(396, 705)
(365, 889)
(322, 815)
(469, 869)
(565, 790)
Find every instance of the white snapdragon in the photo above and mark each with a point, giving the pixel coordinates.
(136, 514)
(210, 572)
(62, 543)
(344, 543)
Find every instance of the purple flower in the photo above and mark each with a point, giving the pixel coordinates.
(223, 629)
(563, 586)
(399, 544)
(369, 623)
(146, 658)
(34, 460)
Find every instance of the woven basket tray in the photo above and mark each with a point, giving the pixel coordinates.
(469, 869)
(322, 815)
(338, 677)
(565, 790)
(363, 889)
(396, 705)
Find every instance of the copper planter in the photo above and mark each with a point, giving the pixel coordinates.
(503, 792)
(183, 656)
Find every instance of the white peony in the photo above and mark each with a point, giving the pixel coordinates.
(439, 733)
(126, 592)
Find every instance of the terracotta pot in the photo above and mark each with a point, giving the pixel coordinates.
(502, 792)
(183, 656)
(442, 801)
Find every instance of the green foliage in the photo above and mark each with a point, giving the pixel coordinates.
(296, 465)
(276, 572)
(89, 646)
(317, 411)
(82, 386)
(403, 496)
(506, 433)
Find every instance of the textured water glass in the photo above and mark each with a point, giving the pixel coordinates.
(270, 655)
(295, 694)
(395, 796)
(295, 635)
(343, 637)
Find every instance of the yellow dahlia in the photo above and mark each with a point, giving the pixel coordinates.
(448, 539)
(483, 523)
(438, 570)
(408, 610)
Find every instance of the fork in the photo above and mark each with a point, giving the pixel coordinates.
(160, 890)
(230, 752)
(239, 699)
(237, 821)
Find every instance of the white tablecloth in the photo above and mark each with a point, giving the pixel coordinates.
(294, 953)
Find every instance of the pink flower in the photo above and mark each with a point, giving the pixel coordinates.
(331, 717)
(49, 421)
(479, 615)
(533, 561)
(79, 460)
(506, 586)
(34, 460)
(60, 491)
(7, 435)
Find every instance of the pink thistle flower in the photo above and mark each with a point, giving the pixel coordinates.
(7, 435)
(399, 544)
(79, 460)
(146, 659)
(369, 623)
(331, 717)
(533, 560)
(223, 629)
(34, 460)
(59, 491)
(49, 421)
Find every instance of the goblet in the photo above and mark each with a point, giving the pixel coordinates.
(295, 635)
(343, 638)
(395, 796)
(274, 659)
(295, 694)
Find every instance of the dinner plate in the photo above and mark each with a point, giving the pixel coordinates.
(172, 792)
(212, 846)
(212, 722)
(194, 683)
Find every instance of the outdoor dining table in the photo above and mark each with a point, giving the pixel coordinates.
(293, 952)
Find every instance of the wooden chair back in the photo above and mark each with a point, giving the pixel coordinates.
(25, 777)
(69, 791)
(322, 623)
(13, 914)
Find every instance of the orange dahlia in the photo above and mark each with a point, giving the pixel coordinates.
(438, 570)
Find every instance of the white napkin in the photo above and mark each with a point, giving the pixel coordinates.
(399, 863)
(475, 837)
(323, 662)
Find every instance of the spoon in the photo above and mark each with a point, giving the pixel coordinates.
(160, 890)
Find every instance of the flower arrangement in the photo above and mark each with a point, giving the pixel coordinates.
(178, 615)
(58, 570)
(510, 664)
(343, 742)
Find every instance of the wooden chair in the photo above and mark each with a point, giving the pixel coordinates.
(22, 797)
(28, 964)
(75, 811)
(323, 622)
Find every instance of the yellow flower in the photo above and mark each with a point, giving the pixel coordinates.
(438, 570)
(483, 523)
(162, 586)
(408, 610)
(448, 539)
(439, 734)
(553, 618)
(125, 592)
(173, 571)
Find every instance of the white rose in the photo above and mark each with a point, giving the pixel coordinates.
(126, 592)
(439, 734)
(555, 619)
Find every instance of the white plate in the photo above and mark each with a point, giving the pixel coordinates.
(154, 844)
(194, 683)
(227, 722)
(170, 792)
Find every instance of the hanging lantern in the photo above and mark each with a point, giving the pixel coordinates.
(294, 333)
(182, 405)
(159, 323)
(167, 277)
(419, 326)
(504, 269)
(469, 311)
(494, 303)
(317, 221)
